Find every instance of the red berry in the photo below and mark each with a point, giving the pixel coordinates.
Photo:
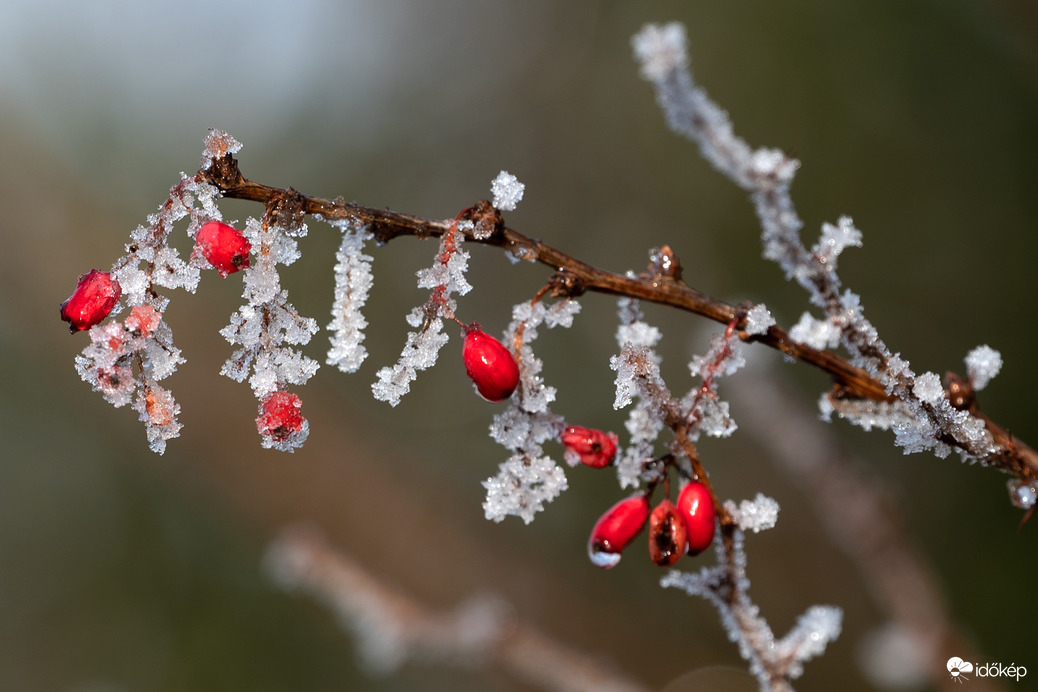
(94, 297)
(615, 529)
(225, 247)
(490, 365)
(594, 447)
(279, 416)
(668, 537)
(697, 509)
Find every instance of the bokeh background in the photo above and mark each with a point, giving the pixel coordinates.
(121, 570)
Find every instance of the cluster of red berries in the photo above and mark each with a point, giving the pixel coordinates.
(674, 530)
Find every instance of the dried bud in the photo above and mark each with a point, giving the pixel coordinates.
(615, 529)
(668, 537)
(490, 365)
(94, 297)
(225, 247)
(696, 508)
(594, 448)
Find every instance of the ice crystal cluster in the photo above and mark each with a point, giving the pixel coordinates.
(125, 361)
(445, 277)
(529, 478)
(267, 329)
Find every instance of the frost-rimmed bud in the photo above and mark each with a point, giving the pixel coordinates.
(668, 537)
(223, 246)
(615, 529)
(95, 295)
(696, 508)
(590, 447)
(489, 364)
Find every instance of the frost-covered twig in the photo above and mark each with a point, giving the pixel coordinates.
(392, 628)
(573, 277)
(928, 420)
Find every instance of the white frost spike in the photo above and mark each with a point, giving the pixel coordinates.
(353, 281)
(420, 353)
(507, 191)
(982, 364)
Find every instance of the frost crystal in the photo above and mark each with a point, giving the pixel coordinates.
(928, 388)
(982, 364)
(107, 364)
(820, 334)
(755, 515)
(217, 145)
(759, 319)
(522, 486)
(507, 191)
(353, 280)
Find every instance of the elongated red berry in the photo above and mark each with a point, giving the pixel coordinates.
(668, 537)
(225, 247)
(279, 416)
(697, 509)
(594, 447)
(615, 529)
(95, 296)
(490, 365)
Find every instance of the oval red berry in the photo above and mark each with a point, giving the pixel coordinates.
(489, 364)
(95, 296)
(223, 246)
(697, 509)
(615, 529)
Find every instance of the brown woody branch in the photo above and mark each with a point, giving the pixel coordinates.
(662, 284)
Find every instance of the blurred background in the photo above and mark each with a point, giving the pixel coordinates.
(121, 570)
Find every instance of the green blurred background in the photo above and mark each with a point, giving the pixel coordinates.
(121, 570)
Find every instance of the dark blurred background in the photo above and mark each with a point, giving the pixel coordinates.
(121, 570)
